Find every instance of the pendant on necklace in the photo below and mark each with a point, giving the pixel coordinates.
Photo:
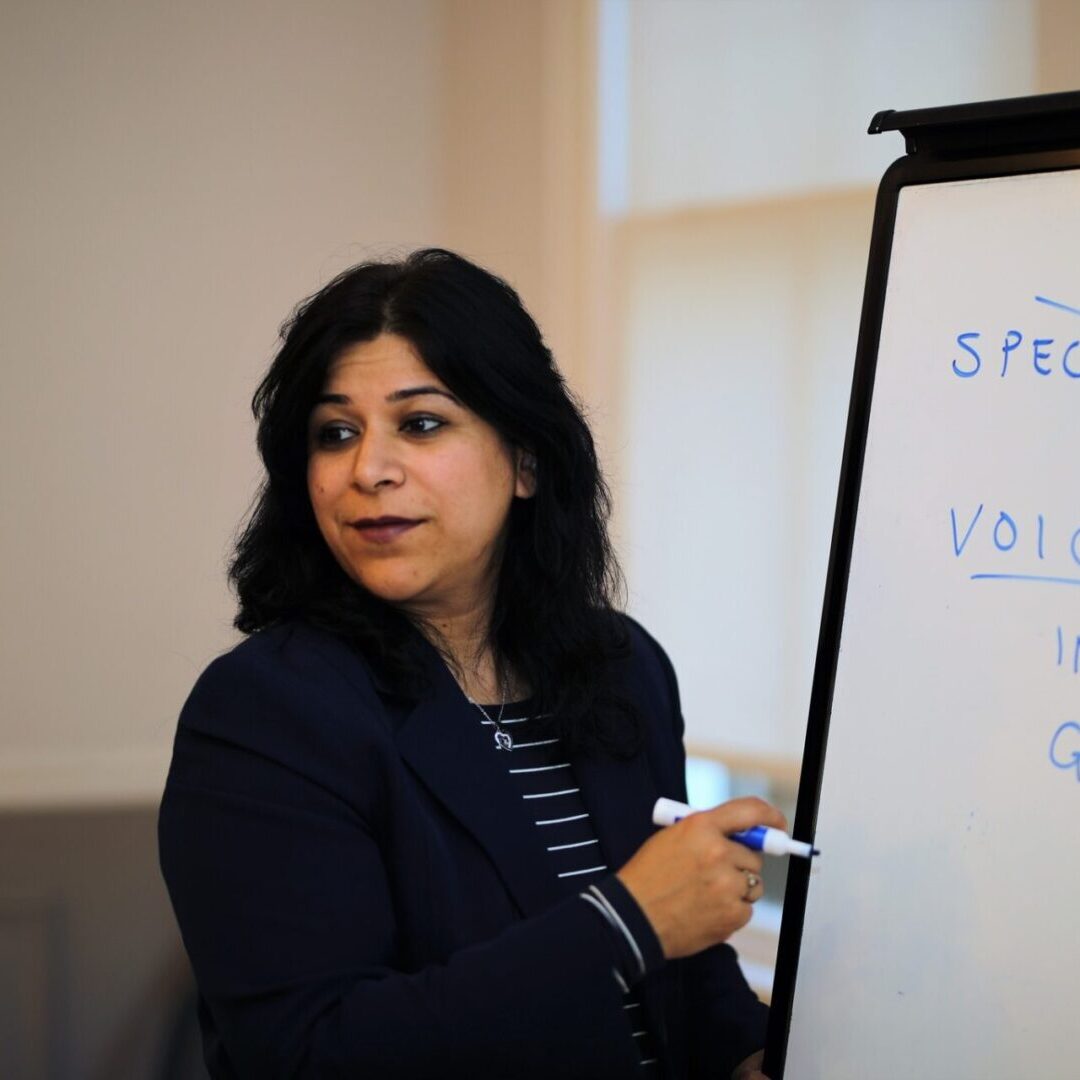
(503, 741)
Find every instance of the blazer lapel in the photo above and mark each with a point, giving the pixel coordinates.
(445, 744)
(619, 796)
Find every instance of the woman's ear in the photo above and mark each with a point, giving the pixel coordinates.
(525, 473)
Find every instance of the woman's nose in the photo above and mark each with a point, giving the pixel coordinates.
(376, 464)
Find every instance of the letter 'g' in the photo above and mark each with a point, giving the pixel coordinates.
(1062, 757)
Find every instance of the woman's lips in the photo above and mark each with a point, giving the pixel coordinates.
(383, 530)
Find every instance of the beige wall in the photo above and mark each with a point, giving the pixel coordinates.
(181, 177)
(177, 176)
(518, 138)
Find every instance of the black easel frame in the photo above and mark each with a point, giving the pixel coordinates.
(963, 142)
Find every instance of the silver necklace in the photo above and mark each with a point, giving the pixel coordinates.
(503, 741)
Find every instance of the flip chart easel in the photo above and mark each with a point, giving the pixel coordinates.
(938, 935)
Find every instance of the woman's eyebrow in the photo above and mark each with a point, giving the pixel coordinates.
(397, 395)
(417, 391)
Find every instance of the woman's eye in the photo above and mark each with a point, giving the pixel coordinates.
(333, 434)
(422, 425)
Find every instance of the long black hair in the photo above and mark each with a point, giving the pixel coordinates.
(554, 619)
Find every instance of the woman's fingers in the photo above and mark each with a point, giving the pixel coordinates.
(694, 884)
(740, 814)
(745, 859)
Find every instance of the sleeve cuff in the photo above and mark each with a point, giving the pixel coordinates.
(639, 947)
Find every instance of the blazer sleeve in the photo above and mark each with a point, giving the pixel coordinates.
(725, 1020)
(286, 913)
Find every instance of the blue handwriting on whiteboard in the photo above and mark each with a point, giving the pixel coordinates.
(1065, 747)
(1057, 304)
(1061, 652)
(1045, 353)
(1004, 534)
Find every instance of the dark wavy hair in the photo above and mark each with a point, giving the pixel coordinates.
(554, 618)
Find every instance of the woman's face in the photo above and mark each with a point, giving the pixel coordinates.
(410, 489)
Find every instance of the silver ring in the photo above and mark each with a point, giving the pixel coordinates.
(752, 882)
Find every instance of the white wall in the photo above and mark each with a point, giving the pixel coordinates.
(739, 182)
(740, 330)
(746, 99)
(177, 176)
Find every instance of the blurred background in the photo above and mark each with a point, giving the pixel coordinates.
(681, 191)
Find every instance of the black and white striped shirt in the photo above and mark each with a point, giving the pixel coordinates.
(545, 779)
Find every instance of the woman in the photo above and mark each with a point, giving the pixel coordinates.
(406, 830)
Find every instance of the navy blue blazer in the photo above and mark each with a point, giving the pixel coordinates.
(362, 893)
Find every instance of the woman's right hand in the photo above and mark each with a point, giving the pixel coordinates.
(691, 881)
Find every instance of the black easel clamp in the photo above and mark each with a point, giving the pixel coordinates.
(1008, 126)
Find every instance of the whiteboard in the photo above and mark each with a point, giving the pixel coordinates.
(941, 935)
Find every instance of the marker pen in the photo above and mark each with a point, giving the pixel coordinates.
(759, 838)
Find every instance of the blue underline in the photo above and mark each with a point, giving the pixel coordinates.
(1054, 303)
(1026, 577)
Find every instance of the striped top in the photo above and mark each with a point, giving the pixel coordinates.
(545, 779)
